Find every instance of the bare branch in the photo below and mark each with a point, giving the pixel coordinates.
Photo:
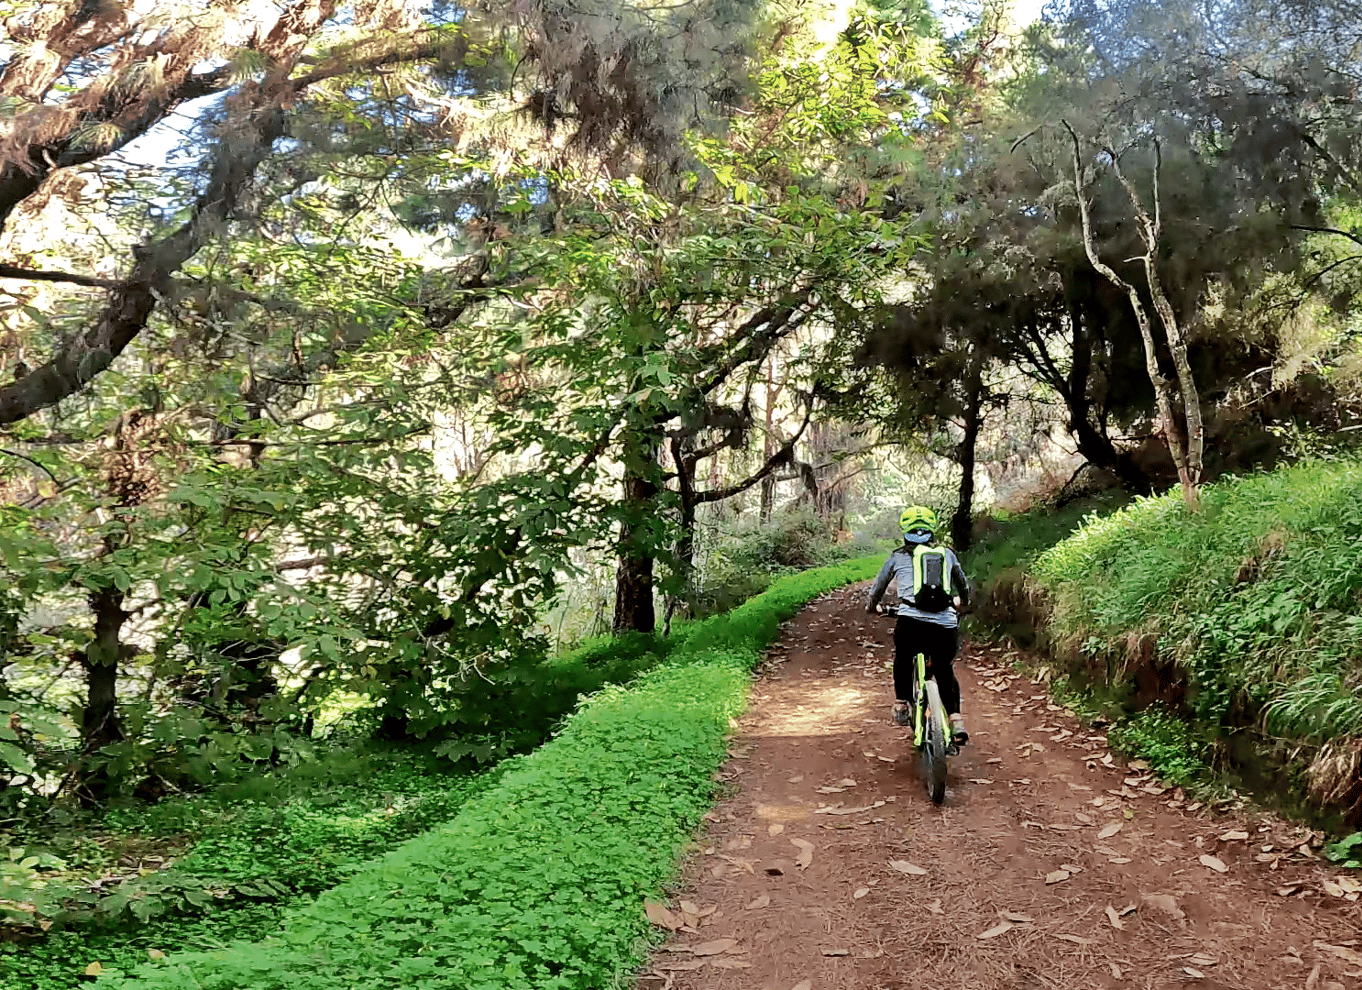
(34, 275)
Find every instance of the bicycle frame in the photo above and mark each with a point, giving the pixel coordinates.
(920, 704)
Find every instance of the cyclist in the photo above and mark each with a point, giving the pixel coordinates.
(928, 621)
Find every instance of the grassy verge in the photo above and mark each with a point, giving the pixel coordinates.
(1225, 638)
(540, 881)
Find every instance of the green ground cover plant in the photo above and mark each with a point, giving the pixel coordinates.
(222, 865)
(539, 882)
(191, 870)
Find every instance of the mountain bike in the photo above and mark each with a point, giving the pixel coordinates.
(931, 729)
(932, 735)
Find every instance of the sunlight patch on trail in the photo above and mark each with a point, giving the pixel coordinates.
(834, 707)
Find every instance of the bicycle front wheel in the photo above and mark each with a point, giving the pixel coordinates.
(934, 745)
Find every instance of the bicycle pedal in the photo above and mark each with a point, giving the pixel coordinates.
(952, 750)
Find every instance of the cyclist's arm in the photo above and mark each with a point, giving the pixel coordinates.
(960, 581)
(881, 584)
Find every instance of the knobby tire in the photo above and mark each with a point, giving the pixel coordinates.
(934, 745)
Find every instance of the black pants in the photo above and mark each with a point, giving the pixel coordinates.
(913, 636)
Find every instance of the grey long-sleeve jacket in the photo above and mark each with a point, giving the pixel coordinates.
(899, 569)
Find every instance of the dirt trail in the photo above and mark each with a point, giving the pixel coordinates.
(1052, 864)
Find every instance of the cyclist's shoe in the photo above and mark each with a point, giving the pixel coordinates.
(958, 732)
(903, 715)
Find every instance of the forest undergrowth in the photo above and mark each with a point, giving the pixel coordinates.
(539, 880)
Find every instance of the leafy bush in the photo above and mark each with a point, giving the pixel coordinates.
(741, 560)
(540, 881)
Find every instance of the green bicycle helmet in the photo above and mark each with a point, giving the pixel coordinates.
(917, 517)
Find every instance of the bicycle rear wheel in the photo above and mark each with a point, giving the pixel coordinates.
(934, 745)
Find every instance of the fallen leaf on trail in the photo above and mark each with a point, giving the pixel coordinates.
(660, 915)
(903, 866)
(1331, 888)
(1288, 890)
(1166, 903)
(1139, 764)
(1119, 860)
(774, 830)
(690, 907)
(886, 759)
(1232, 835)
(803, 985)
(1312, 980)
(994, 759)
(846, 782)
(849, 811)
(1071, 868)
(760, 902)
(979, 780)
(805, 853)
(715, 947)
(1109, 830)
(1115, 919)
(935, 907)
(1058, 876)
(836, 952)
(831, 790)
(1017, 917)
(1196, 973)
(94, 969)
(1115, 970)
(795, 780)
(1077, 940)
(730, 963)
(860, 892)
(1202, 959)
(868, 753)
(1214, 863)
(1344, 953)
(1000, 928)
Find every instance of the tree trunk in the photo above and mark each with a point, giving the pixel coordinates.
(99, 723)
(634, 571)
(685, 542)
(962, 521)
(1163, 393)
(1189, 471)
